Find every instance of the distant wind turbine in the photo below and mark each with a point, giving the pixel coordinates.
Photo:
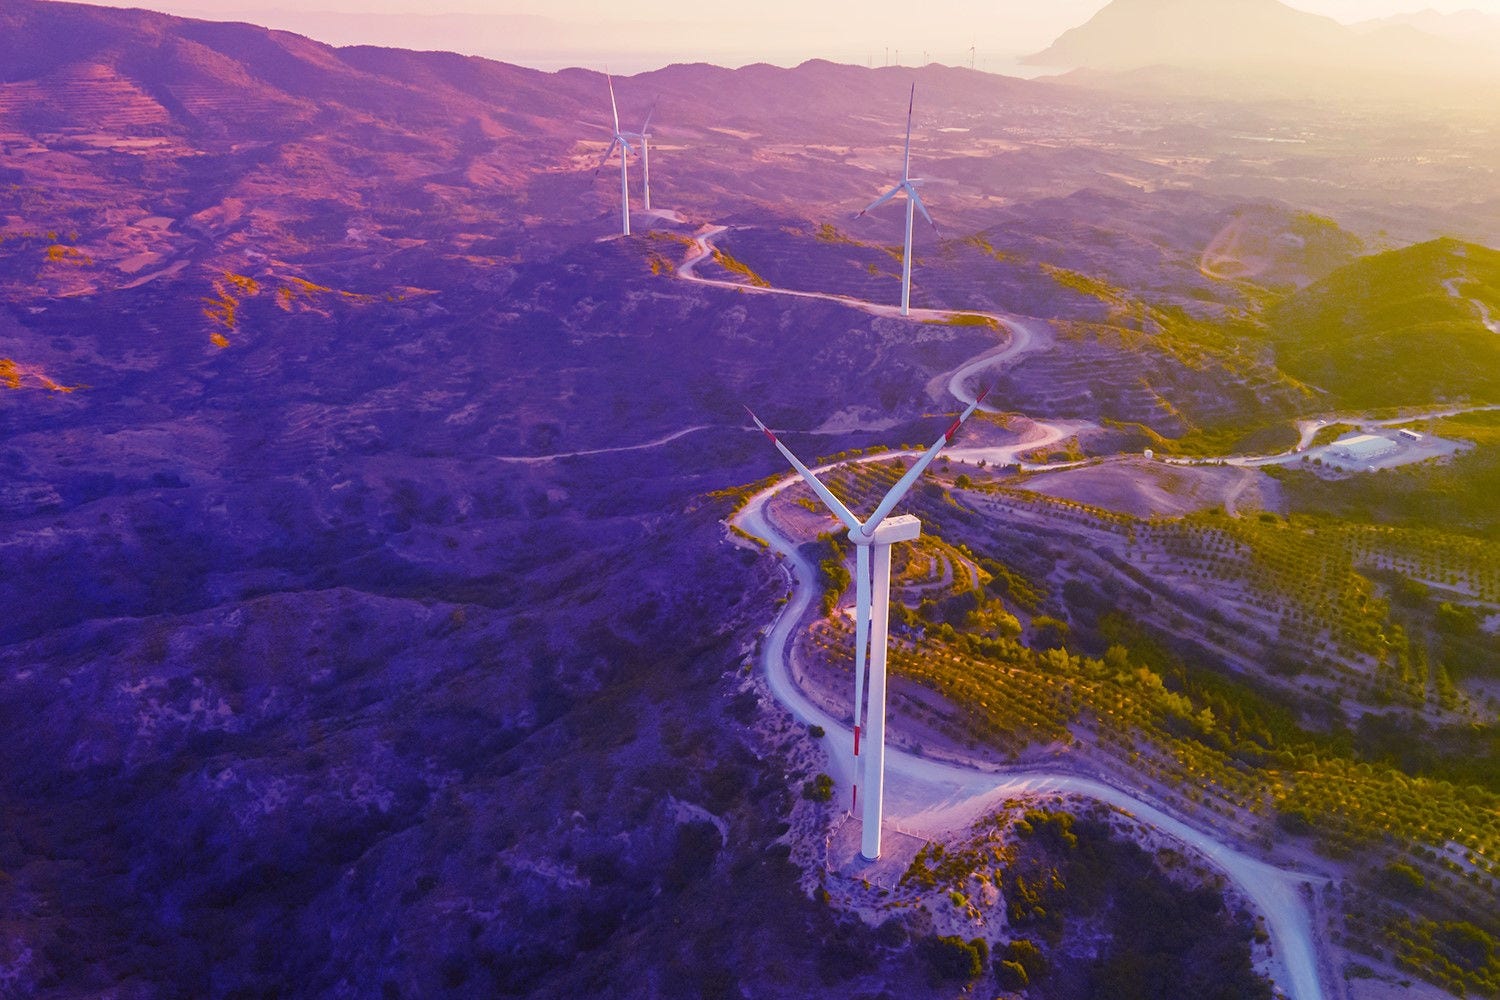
(622, 140)
(644, 135)
(872, 610)
(908, 184)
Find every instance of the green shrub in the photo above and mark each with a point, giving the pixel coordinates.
(1012, 975)
(1051, 633)
(1297, 822)
(952, 957)
(1471, 947)
(820, 789)
(1402, 880)
(1025, 954)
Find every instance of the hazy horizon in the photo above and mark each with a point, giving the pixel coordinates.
(580, 33)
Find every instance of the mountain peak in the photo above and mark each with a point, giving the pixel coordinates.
(1129, 34)
(1266, 46)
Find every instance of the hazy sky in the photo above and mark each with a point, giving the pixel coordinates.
(641, 34)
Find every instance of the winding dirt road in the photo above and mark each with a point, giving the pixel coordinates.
(1490, 323)
(703, 249)
(668, 439)
(931, 798)
(1307, 430)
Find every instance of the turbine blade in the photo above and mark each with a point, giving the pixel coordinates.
(906, 159)
(911, 193)
(607, 153)
(612, 107)
(882, 199)
(647, 123)
(832, 502)
(905, 483)
(861, 631)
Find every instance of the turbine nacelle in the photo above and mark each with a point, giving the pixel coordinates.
(900, 528)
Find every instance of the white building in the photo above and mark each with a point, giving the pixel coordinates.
(1363, 447)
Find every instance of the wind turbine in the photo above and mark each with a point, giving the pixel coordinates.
(644, 135)
(908, 184)
(622, 140)
(872, 610)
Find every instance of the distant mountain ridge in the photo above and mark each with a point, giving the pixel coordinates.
(1267, 44)
(245, 138)
(1468, 26)
(1128, 34)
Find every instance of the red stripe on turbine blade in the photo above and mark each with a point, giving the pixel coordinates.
(948, 434)
(856, 741)
(763, 428)
(853, 798)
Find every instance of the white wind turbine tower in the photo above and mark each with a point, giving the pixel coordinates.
(622, 140)
(872, 611)
(644, 135)
(908, 184)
